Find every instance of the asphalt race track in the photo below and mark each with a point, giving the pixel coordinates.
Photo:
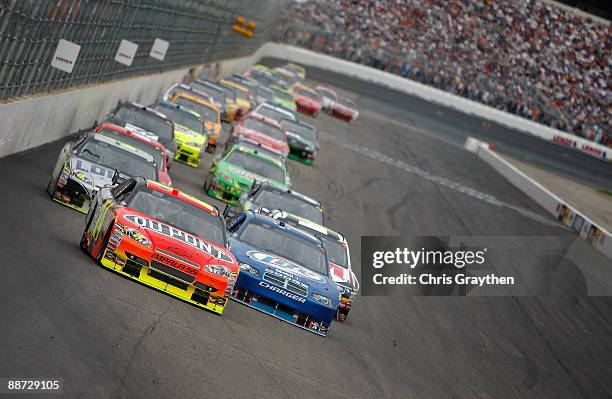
(454, 127)
(64, 316)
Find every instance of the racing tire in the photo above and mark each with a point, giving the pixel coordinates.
(104, 243)
(50, 189)
(83, 244)
(207, 182)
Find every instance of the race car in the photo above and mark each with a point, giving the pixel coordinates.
(162, 238)
(303, 141)
(296, 69)
(259, 129)
(344, 109)
(283, 97)
(328, 95)
(264, 78)
(183, 88)
(307, 100)
(191, 139)
(209, 113)
(338, 254)
(274, 112)
(260, 148)
(92, 162)
(243, 98)
(284, 272)
(145, 122)
(291, 78)
(216, 92)
(154, 148)
(265, 198)
(234, 172)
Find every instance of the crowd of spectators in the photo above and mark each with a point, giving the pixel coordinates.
(527, 57)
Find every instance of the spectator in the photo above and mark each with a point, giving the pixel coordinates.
(527, 57)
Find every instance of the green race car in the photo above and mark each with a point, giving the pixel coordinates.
(188, 132)
(283, 97)
(234, 172)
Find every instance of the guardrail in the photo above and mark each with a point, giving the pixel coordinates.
(598, 237)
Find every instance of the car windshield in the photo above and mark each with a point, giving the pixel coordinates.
(346, 103)
(207, 113)
(146, 120)
(264, 128)
(307, 94)
(274, 113)
(157, 155)
(335, 250)
(289, 246)
(187, 119)
(265, 93)
(116, 158)
(305, 131)
(217, 94)
(272, 199)
(325, 92)
(178, 213)
(283, 95)
(257, 165)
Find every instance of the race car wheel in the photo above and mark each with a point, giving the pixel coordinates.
(107, 235)
(84, 244)
(207, 182)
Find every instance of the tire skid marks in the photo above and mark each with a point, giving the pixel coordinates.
(439, 180)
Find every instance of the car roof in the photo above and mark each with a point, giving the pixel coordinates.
(143, 108)
(305, 223)
(270, 187)
(197, 100)
(279, 224)
(128, 133)
(178, 107)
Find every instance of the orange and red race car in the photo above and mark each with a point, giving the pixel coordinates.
(163, 238)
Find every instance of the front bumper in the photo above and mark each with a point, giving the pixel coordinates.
(310, 316)
(71, 193)
(302, 155)
(190, 155)
(205, 296)
(226, 192)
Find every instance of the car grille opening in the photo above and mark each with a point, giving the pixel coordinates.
(167, 279)
(295, 287)
(187, 278)
(200, 297)
(132, 268)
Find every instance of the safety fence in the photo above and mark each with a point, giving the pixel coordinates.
(195, 32)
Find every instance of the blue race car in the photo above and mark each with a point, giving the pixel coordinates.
(284, 272)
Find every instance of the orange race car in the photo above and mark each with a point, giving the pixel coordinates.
(163, 238)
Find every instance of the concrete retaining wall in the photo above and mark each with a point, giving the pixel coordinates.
(31, 122)
(567, 214)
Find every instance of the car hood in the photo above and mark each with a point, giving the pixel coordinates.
(241, 175)
(256, 136)
(169, 239)
(265, 261)
(187, 135)
(90, 175)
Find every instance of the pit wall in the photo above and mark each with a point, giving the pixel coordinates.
(598, 237)
(31, 122)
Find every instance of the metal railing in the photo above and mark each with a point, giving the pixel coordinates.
(199, 31)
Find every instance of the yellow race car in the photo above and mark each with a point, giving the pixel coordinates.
(209, 113)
